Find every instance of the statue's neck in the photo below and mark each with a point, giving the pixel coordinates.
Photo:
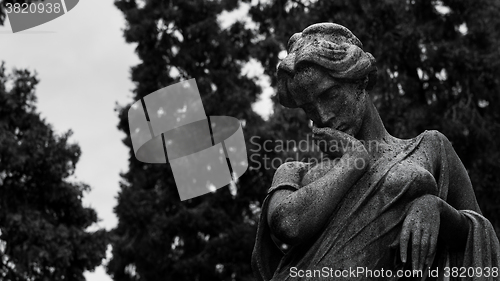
(373, 131)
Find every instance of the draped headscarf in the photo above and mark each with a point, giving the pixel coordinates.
(331, 46)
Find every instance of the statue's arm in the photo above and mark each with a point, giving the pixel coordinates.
(297, 215)
(454, 226)
(431, 219)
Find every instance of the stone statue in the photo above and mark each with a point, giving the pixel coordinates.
(378, 206)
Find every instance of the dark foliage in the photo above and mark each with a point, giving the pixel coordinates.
(210, 237)
(42, 221)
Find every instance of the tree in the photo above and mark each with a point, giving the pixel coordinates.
(3, 12)
(42, 221)
(158, 237)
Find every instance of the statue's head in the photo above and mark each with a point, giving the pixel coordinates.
(331, 47)
(327, 73)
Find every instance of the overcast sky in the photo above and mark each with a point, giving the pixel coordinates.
(83, 64)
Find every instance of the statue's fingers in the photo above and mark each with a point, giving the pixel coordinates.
(321, 141)
(335, 138)
(424, 249)
(317, 130)
(334, 146)
(318, 135)
(403, 241)
(432, 249)
(415, 247)
(322, 138)
(328, 131)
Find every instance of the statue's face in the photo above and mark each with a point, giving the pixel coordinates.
(329, 102)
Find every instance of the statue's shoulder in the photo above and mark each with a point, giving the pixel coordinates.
(435, 138)
(437, 146)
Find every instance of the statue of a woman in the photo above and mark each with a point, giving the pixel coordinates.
(379, 205)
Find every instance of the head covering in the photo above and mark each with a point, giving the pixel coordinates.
(331, 46)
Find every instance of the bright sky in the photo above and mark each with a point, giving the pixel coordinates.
(83, 65)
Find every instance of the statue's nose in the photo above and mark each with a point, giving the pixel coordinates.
(288, 63)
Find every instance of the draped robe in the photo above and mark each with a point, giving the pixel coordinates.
(363, 231)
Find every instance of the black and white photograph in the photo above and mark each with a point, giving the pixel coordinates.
(249, 140)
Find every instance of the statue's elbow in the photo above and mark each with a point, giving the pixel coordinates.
(285, 227)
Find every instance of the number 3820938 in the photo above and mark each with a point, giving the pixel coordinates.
(33, 8)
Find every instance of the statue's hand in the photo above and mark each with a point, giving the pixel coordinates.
(422, 226)
(337, 143)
